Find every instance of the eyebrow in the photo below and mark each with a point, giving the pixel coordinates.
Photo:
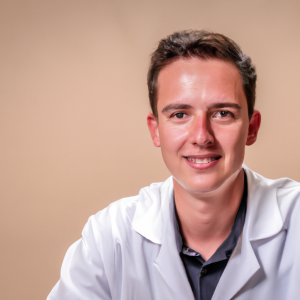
(187, 106)
(226, 104)
(175, 106)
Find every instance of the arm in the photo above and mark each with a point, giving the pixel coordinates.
(83, 273)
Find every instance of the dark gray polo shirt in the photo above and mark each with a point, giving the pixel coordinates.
(205, 275)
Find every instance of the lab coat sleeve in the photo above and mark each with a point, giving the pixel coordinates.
(83, 273)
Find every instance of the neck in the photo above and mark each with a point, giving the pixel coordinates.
(206, 219)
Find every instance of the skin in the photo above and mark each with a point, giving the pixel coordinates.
(202, 112)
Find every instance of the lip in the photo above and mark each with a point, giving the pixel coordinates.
(202, 166)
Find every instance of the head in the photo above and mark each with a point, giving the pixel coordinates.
(202, 95)
(202, 44)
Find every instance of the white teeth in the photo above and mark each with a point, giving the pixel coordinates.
(201, 161)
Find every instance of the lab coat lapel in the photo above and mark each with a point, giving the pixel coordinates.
(263, 220)
(240, 268)
(155, 220)
(168, 262)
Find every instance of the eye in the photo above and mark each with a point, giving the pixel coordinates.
(179, 115)
(223, 114)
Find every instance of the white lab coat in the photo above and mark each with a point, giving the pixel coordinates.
(130, 250)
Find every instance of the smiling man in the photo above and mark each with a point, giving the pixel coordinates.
(215, 229)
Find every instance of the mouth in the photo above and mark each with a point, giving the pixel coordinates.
(202, 160)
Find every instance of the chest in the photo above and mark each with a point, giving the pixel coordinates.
(148, 271)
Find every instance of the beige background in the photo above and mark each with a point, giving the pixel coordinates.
(73, 106)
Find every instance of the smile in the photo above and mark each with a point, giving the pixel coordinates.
(205, 160)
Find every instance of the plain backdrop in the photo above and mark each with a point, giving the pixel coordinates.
(73, 107)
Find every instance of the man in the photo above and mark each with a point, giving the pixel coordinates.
(215, 229)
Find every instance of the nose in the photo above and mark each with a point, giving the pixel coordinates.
(201, 133)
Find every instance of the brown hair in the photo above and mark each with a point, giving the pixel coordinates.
(203, 44)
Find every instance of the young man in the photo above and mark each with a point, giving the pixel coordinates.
(215, 229)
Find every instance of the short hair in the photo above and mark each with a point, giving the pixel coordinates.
(203, 44)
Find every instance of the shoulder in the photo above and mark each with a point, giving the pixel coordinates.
(288, 199)
(117, 220)
(125, 208)
(257, 181)
(283, 192)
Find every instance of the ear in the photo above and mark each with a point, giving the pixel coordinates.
(253, 128)
(153, 128)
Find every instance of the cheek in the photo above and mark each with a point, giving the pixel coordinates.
(173, 137)
(232, 140)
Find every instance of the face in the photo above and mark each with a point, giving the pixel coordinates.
(203, 125)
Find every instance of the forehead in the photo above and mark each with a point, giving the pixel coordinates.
(200, 79)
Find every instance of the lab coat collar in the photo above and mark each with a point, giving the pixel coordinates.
(155, 219)
(154, 201)
(263, 219)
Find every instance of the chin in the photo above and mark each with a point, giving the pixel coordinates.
(203, 188)
(200, 186)
(206, 183)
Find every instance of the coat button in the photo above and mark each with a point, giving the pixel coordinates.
(203, 271)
